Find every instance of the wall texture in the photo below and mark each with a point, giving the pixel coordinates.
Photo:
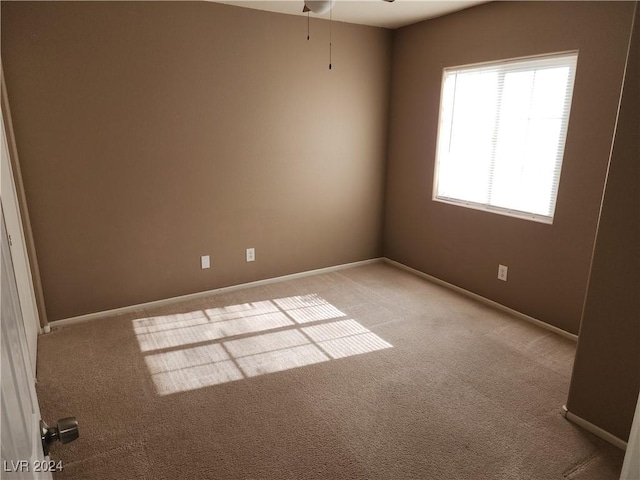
(606, 375)
(151, 133)
(548, 264)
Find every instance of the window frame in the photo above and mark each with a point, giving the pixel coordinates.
(511, 212)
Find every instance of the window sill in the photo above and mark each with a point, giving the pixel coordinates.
(500, 211)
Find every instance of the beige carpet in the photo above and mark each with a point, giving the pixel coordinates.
(364, 373)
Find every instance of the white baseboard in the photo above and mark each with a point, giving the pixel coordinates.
(590, 427)
(484, 300)
(257, 283)
(194, 296)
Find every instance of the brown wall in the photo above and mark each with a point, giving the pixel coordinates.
(152, 133)
(548, 264)
(606, 375)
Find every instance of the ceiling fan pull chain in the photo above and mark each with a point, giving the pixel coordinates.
(330, 22)
(308, 25)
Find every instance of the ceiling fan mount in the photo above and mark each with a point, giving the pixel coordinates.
(322, 6)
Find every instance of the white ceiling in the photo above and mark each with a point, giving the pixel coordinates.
(376, 13)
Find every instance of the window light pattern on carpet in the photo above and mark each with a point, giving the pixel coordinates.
(212, 346)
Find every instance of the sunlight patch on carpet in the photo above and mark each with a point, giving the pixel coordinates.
(308, 308)
(219, 345)
(212, 331)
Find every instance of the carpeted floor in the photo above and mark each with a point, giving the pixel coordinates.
(364, 373)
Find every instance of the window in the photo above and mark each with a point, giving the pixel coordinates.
(501, 135)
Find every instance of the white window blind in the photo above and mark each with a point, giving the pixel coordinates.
(502, 132)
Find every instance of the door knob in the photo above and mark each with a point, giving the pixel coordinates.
(65, 431)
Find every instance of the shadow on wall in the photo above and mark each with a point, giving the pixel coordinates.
(193, 350)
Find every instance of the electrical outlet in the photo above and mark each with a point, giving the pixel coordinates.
(251, 254)
(502, 272)
(205, 262)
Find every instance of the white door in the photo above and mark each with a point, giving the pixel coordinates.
(22, 270)
(21, 447)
